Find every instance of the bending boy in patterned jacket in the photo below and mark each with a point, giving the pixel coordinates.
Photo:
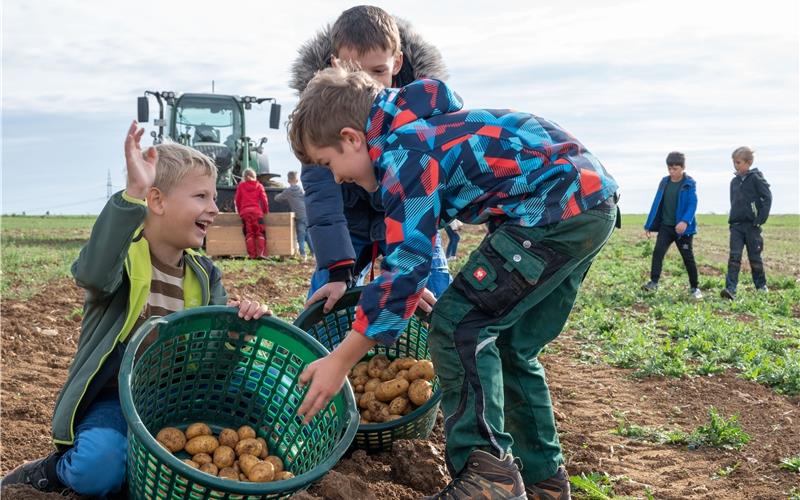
(550, 206)
(345, 223)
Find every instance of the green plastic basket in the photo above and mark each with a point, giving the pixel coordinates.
(208, 365)
(330, 330)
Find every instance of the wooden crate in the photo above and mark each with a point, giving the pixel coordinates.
(225, 236)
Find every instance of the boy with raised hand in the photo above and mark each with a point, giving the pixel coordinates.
(345, 223)
(137, 263)
(550, 206)
(751, 200)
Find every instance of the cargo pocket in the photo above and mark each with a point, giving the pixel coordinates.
(504, 269)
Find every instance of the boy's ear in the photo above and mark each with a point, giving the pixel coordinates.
(398, 63)
(155, 201)
(351, 136)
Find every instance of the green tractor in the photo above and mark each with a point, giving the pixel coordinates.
(214, 124)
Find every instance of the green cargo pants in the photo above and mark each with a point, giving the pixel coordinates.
(510, 299)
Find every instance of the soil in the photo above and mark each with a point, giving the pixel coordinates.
(39, 336)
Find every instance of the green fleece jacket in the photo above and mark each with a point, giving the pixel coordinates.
(114, 267)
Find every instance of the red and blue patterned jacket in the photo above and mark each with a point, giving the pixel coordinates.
(435, 161)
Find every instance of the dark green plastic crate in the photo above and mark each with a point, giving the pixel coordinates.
(330, 330)
(208, 365)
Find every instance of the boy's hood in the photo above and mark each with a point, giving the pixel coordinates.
(394, 108)
(420, 58)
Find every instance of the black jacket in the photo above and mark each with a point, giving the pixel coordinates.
(338, 213)
(751, 198)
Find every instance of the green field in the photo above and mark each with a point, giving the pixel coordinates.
(665, 333)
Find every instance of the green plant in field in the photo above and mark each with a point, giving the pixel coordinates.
(651, 434)
(726, 471)
(719, 433)
(794, 494)
(791, 464)
(594, 486)
(76, 314)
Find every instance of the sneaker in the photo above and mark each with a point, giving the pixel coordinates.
(40, 474)
(554, 488)
(727, 294)
(762, 289)
(696, 293)
(650, 286)
(485, 476)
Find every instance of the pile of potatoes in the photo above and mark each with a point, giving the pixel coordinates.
(235, 454)
(387, 390)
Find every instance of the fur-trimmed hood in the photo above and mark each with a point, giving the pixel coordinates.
(420, 58)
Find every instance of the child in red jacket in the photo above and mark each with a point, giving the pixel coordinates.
(251, 204)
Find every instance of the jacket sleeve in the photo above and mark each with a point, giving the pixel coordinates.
(411, 199)
(282, 195)
(649, 223)
(100, 264)
(765, 195)
(691, 206)
(264, 200)
(219, 296)
(327, 226)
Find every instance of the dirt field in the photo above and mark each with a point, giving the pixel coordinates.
(39, 337)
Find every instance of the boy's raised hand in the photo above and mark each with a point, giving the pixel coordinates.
(141, 168)
(250, 309)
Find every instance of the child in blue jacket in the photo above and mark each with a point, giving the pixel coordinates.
(672, 217)
(550, 206)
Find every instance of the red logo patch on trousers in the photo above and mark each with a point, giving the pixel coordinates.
(479, 274)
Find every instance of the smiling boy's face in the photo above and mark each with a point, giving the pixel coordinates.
(348, 163)
(380, 64)
(187, 210)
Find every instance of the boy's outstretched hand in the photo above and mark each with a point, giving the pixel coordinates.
(141, 168)
(250, 309)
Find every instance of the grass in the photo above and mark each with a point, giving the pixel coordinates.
(791, 464)
(595, 486)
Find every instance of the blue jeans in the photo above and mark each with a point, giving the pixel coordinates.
(95, 465)
(301, 230)
(452, 244)
(438, 281)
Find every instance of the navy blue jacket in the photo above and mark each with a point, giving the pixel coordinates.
(338, 213)
(687, 206)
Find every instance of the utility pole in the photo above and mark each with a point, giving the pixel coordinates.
(108, 186)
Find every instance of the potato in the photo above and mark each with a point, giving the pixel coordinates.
(276, 462)
(359, 380)
(283, 476)
(402, 374)
(366, 415)
(403, 363)
(245, 432)
(249, 446)
(243, 478)
(198, 429)
(398, 405)
(228, 473)
(171, 438)
(363, 420)
(236, 466)
(359, 389)
(210, 468)
(228, 437)
(388, 374)
(390, 389)
(261, 472)
(360, 369)
(372, 384)
(246, 462)
(376, 365)
(264, 448)
(365, 399)
(423, 369)
(202, 458)
(420, 391)
(224, 457)
(191, 463)
(379, 411)
(201, 444)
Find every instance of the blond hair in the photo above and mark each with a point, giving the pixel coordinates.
(335, 98)
(291, 176)
(743, 153)
(175, 161)
(249, 173)
(364, 28)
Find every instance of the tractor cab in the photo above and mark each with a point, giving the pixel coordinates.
(213, 124)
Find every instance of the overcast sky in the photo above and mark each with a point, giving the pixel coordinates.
(632, 80)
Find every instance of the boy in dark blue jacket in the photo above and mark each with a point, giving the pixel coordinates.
(550, 207)
(345, 223)
(672, 216)
(751, 200)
